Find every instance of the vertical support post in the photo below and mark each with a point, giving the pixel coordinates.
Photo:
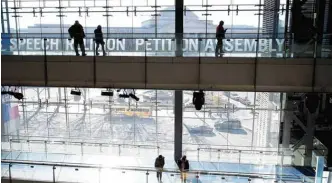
(309, 139)
(54, 174)
(45, 64)
(179, 27)
(281, 165)
(10, 145)
(147, 177)
(94, 64)
(45, 146)
(10, 172)
(82, 153)
(178, 126)
(286, 130)
(286, 116)
(198, 154)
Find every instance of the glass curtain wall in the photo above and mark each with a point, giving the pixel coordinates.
(146, 27)
(55, 115)
(241, 125)
(245, 21)
(43, 25)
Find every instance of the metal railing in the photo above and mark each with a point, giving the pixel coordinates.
(78, 147)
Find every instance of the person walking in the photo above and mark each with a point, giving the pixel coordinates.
(159, 165)
(77, 33)
(220, 35)
(99, 40)
(183, 165)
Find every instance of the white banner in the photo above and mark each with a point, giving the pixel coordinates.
(151, 45)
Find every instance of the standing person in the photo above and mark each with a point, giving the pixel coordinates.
(220, 35)
(159, 165)
(76, 31)
(99, 40)
(183, 165)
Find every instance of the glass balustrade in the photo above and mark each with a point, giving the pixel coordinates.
(56, 151)
(164, 45)
(71, 172)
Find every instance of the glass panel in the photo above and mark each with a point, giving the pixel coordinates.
(126, 176)
(233, 121)
(32, 172)
(77, 174)
(52, 120)
(4, 170)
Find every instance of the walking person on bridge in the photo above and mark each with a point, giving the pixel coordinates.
(159, 165)
(183, 165)
(220, 35)
(99, 40)
(77, 33)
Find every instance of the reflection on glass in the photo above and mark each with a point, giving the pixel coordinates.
(51, 20)
(90, 122)
(232, 121)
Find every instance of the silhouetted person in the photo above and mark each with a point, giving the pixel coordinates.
(159, 164)
(99, 40)
(77, 33)
(220, 35)
(183, 165)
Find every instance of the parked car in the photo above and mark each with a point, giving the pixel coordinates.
(201, 129)
(245, 101)
(161, 96)
(235, 96)
(230, 124)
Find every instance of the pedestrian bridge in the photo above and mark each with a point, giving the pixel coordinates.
(164, 72)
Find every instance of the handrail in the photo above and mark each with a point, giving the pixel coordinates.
(155, 146)
(152, 104)
(172, 36)
(143, 169)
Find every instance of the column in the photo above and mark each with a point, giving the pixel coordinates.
(312, 101)
(178, 124)
(309, 139)
(179, 27)
(286, 131)
(287, 120)
(178, 94)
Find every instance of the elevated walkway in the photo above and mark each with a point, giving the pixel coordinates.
(161, 72)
